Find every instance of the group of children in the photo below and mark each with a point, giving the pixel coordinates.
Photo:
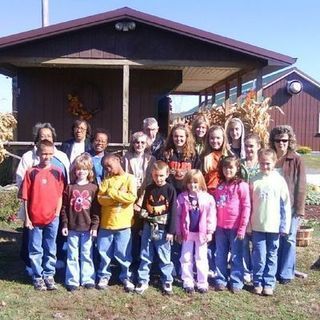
(225, 190)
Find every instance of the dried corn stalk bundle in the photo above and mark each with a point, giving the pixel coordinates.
(254, 115)
(7, 124)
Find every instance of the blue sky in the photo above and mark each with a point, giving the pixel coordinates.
(285, 26)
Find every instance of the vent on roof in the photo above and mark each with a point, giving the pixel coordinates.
(125, 26)
(294, 86)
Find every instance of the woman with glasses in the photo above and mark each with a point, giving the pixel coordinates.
(80, 143)
(283, 141)
(138, 161)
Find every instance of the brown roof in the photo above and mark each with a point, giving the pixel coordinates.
(128, 13)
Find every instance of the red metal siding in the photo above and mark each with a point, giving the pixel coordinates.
(301, 110)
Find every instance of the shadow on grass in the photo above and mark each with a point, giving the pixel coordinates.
(11, 266)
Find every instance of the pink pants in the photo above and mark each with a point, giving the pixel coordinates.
(187, 261)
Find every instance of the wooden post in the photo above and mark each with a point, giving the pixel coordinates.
(200, 98)
(213, 97)
(206, 98)
(239, 89)
(259, 85)
(227, 96)
(125, 104)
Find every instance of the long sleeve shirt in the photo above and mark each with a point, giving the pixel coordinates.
(271, 208)
(80, 211)
(233, 205)
(116, 196)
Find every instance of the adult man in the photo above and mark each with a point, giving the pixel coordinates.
(151, 128)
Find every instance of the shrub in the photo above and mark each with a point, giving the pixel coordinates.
(304, 150)
(9, 205)
(313, 195)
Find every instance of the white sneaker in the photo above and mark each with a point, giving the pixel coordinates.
(212, 274)
(103, 284)
(128, 285)
(141, 287)
(167, 288)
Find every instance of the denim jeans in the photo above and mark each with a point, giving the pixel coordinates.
(148, 247)
(264, 258)
(80, 268)
(226, 240)
(114, 244)
(42, 249)
(287, 252)
(247, 255)
(211, 254)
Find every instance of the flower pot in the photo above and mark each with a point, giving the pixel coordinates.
(304, 236)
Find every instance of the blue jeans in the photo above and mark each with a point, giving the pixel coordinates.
(247, 259)
(287, 252)
(211, 253)
(114, 244)
(226, 240)
(79, 270)
(42, 249)
(148, 247)
(264, 258)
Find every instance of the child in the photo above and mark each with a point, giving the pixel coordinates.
(200, 128)
(116, 195)
(196, 222)
(42, 194)
(159, 206)
(235, 136)
(271, 216)
(249, 169)
(215, 149)
(80, 221)
(180, 154)
(233, 210)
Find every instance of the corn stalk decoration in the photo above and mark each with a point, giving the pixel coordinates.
(254, 115)
(7, 124)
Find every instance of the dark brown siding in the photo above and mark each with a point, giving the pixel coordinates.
(301, 111)
(43, 97)
(145, 42)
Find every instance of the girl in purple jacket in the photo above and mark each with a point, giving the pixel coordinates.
(196, 222)
(233, 211)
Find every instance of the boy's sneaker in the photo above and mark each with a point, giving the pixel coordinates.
(268, 291)
(220, 287)
(39, 284)
(128, 286)
(141, 287)
(89, 286)
(167, 288)
(72, 288)
(103, 284)
(50, 284)
(257, 290)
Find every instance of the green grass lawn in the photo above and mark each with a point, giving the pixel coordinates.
(18, 299)
(312, 162)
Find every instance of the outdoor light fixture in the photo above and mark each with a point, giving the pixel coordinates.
(125, 26)
(294, 86)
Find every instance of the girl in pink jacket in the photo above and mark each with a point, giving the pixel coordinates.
(233, 211)
(196, 222)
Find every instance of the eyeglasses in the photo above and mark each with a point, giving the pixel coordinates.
(82, 129)
(281, 140)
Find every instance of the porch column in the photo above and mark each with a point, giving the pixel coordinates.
(125, 104)
(259, 84)
(227, 96)
(239, 89)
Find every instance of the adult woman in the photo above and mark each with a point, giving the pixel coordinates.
(283, 141)
(138, 161)
(80, 143)
(99, 145)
